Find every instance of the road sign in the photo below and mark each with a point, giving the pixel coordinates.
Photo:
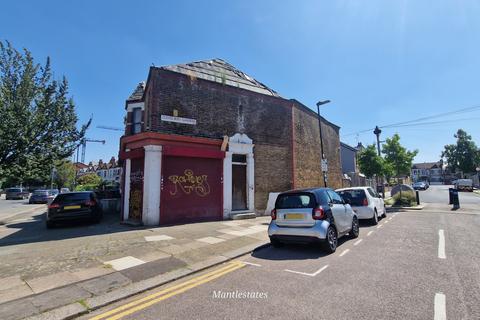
(324, 165)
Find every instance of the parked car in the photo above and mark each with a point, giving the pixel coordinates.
(365, 202)
(16, 193)
(316, 215)
(74, 206)
(464, 184)
(419, 185)
(64, 190)
(40, 196)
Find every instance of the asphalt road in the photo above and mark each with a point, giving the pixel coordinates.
(12, 209)
(413, 265)
(436, 197)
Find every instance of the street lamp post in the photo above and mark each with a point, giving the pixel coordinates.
(322, 153)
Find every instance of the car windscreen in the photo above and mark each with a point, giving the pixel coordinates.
(295, 200)
(40, 192)
(355, 197)
(14, 190)
(72, 197)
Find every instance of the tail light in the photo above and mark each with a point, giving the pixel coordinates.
(365, 202)
(318, 214)
(90, 203)
(53, 206)
(273, 214)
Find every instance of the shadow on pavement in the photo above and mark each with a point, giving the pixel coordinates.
(294, 251)
(35, 230)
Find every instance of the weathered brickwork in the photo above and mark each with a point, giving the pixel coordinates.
(222, 110)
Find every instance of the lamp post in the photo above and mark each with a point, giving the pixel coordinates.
(323, 161)
(377, 132)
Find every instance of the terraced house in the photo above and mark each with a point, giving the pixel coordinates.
(205, 141)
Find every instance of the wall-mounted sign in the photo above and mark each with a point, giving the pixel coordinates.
(178, 119)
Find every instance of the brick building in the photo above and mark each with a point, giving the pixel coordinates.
(204, 141)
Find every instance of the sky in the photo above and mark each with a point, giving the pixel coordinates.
(379, 62)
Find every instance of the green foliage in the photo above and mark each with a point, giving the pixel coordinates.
(64, 174)
(464, 155)
(90, 179)
(404, 199)
(86, 187)
(38, 119)
(369, 162)
(397, 158)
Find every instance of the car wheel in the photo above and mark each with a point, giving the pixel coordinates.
(330, 244)
(355, 231)
(275, 243)
(374, 220)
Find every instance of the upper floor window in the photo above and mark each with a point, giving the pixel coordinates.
(136, 120)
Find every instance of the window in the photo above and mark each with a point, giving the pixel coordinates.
(136, 120)
(372, 193)
(295, 200)
(356, 196)
(336, 199)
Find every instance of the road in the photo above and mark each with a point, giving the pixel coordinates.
(436, 198)
(413, 265)
(13, 209)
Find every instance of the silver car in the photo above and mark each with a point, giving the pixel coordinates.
(316, 215)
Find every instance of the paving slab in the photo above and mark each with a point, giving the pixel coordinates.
(17, 309)
(10, 282)
(152, 269)
(124, 263)
(58, 297)
(94, 272)
(161, 237)
(45, 283)
(16, 292)
(106, 283)
(211, 240)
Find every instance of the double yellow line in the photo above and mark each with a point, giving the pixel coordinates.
(154, 298)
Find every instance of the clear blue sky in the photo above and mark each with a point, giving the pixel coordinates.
(380, 62)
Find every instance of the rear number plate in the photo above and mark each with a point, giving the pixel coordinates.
(293, 216)
(71, 207)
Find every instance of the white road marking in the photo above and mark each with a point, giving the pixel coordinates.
(386, 221)
(379, 226)
(389, 218)
(369, 233)
(440, 309)
(344, 252)
(211, 240)
(252, 264)
(308, 274)
(358, 242)
(441, 244)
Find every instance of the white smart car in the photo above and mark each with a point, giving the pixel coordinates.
(365, 202)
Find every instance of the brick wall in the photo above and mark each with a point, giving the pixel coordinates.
(223, 110)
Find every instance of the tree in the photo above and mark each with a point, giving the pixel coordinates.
(369, 162)
(64, 174)
(90, 179)
(38, 122)
(464, 155)
(397, 158)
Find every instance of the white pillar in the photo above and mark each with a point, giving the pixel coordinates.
(227, 185)
(126, 189)
(251, 182)
(151, 185)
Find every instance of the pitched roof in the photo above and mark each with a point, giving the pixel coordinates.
(218, 70)
(138, 92)
(426, 165)
(348, 146)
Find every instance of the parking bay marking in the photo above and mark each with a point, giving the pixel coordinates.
(441, 244)
(152, 299)
(358, 242)
(369, 233)
(252, 264)
(308, 274)
(344, 252)
(440, 312)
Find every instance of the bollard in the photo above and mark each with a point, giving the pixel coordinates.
(450, 195)
(456, 201)
(418, 197)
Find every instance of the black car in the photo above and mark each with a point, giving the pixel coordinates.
(74, 206)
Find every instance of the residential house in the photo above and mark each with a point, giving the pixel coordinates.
(433, 172)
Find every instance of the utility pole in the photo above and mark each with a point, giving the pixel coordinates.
(377, 132)
(324, 163)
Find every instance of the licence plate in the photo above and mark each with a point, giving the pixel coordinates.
(294, 216)
(71, 207)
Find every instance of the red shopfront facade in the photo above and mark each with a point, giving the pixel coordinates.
(171, 179)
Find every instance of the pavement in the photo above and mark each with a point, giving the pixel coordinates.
(412, 265)
(94, 264)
